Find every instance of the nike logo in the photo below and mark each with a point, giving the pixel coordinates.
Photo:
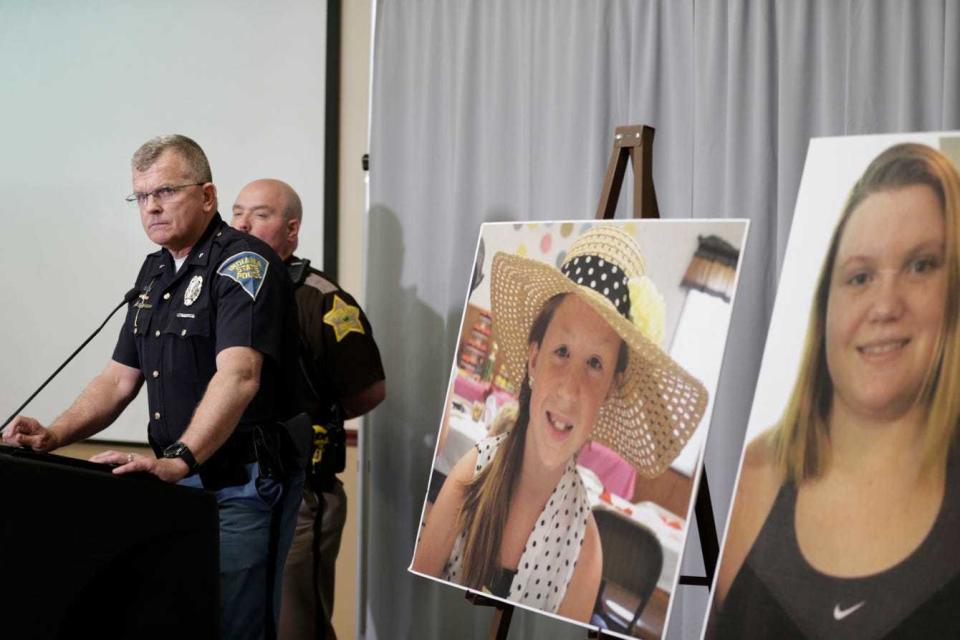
(839, 614)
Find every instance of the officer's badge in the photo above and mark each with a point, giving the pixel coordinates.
(193, 290)
(248, 269)
(343, 317)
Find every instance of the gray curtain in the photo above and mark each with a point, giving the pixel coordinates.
(504, 110)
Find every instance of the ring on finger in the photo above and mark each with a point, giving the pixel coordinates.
(129, 457)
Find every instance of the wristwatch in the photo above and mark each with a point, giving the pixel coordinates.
(182, 451)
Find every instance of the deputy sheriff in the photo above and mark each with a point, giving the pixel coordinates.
(210, 333)
(344, 368)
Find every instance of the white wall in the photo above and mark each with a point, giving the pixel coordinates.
(84, 85)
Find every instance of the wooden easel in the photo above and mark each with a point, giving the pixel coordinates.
(635, 142)
(500, 625)
(630, 143)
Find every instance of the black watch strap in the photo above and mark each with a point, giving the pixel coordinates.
(182, 451)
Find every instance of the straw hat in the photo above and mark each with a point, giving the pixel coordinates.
(652, 414)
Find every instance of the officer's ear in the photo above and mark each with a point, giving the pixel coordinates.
(293, 230)
(209, 197)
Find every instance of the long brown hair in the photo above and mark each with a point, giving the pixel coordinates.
(801, 438)
(487, 498)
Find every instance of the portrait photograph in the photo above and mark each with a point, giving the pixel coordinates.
(577, 406)
(846, 511)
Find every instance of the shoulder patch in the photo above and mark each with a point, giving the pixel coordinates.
(343, 317)
(248, 269)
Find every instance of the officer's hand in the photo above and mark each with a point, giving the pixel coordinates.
(28, 432)
(167, 469)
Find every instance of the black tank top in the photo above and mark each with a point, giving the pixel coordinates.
(777, 594)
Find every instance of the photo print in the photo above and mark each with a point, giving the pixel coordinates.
(579, 399)
(847, 506)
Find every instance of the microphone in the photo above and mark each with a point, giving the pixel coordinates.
(128, 297)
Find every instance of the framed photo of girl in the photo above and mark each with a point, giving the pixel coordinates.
(570, 444)
(846, 515)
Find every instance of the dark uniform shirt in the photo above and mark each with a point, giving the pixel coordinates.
(343, 355)
(231, 290)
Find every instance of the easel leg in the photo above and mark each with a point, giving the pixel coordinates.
(500, 625)
(707, 529)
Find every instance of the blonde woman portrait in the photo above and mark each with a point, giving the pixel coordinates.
(847, 514)
(512, 517)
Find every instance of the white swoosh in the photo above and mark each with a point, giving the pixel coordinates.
(839, 614)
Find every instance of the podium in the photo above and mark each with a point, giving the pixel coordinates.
(84, 553)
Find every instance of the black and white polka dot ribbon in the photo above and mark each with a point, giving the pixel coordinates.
(602, 276)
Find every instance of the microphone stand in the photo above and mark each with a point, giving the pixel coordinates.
(130, 295)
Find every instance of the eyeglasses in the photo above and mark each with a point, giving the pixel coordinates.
(161, 195)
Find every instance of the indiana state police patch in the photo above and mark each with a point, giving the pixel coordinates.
(248, 269)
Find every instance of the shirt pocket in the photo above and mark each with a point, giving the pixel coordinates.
(139, 322)
(188, 346)
(192, 323)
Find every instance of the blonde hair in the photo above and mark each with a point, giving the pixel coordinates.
(504, 420)
(800, 440)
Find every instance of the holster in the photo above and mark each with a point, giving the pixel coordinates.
(329, 454)
(283, 449)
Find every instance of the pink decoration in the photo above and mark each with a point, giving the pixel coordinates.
(614, 472)
(470, 389)
(545, 242)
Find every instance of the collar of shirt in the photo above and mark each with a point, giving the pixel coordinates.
(162, 259)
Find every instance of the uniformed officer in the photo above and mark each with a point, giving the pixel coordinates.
(210, 335)
(343, 365)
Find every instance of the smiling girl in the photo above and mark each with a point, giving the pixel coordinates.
(582, 343)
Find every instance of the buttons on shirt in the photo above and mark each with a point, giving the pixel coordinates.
(156, 374)
(166, 296)
(183, 332)
(157, 333)
(156, 415)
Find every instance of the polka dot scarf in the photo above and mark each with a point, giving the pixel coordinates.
(553, 546)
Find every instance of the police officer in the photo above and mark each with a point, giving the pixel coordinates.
(344, 368)
(209, 334)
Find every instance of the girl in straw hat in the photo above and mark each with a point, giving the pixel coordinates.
(582, 344)
(847, 515)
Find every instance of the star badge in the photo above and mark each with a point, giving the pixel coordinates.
(343, 317)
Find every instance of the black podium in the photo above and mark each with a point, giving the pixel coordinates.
(84, 553)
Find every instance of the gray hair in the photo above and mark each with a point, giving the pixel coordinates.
(190, 151)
